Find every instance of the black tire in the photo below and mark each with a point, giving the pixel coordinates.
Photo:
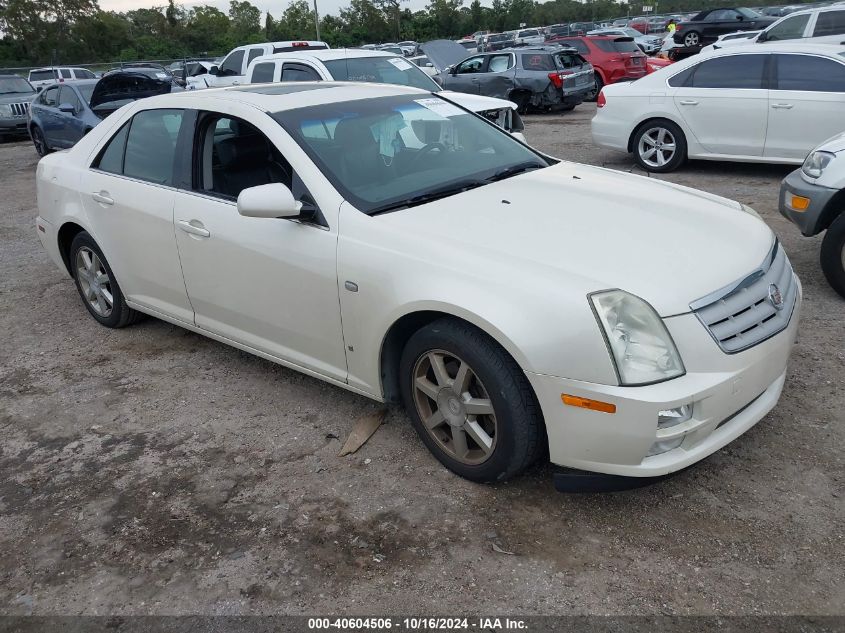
(599, 86)
(522, 101)
(692, 39)
(832, 255)
(568, 108)
(518, 431)
(120, 314)
(41, 147)
(679, 155)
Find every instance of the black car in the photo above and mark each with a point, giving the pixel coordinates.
(499, 41)
(707, 26)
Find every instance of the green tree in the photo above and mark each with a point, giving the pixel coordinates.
(244, 21)
(297, 21)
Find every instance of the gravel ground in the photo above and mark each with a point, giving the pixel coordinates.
(152, 471)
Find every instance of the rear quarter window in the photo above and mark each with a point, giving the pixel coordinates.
(535, 61)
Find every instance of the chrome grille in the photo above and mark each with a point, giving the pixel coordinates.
(19, 109)
(746, 312)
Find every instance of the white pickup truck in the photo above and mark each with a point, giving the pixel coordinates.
(232, 69)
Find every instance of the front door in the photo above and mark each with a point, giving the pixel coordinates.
(806, 105)
(269, 284)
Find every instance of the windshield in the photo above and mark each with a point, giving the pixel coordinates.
(15, 85)
(394, 152)
(748, 13)
(385, 70)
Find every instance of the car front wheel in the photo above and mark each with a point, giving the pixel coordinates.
(41, 147)
(469, 402)
(660, 146)
(96, 284)
(832, 255)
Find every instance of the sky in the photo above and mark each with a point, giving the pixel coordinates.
(276, 7)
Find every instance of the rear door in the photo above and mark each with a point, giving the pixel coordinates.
(497, 78)
(724, 101)
(806, 104)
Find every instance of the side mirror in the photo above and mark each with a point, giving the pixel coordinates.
(214, 70)
(268, 201)
(453, 70)
(762, 37)
(67, 108)
(429, 65)
(740, 18)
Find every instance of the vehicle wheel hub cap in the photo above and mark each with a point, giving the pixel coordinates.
(94, 282)
(453, 409)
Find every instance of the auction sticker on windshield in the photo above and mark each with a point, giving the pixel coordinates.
(441, 107)
(401, 64)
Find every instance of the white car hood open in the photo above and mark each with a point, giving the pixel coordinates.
(601, 229)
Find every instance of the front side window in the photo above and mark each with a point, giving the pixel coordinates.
(233, 64)
(805, 72)
(471, 65)
(299, 72)
(66, 74)
(386, 70)
(234, 156)
(50, 97)
(791, 28)
(722, 15)
(390, 152)
(263, 73)
(67, 95)
(734, 71)
(830, 23)
(151, 146)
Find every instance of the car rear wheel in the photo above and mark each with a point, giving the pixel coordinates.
(469, 402)
(692, 39)
(660, 146)
(97, 286)
(599, 86)
(832, 255)
(41, 147)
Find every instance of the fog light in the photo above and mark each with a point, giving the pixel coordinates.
(664, 446)
(673, 417)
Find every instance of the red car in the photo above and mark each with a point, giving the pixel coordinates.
(656, 63)
(613, 58)
(641, 24)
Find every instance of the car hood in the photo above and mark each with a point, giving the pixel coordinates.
(17, 97)
(597, 229)
(476, 103)
(444, 53)
(127, 86)
(834, 144)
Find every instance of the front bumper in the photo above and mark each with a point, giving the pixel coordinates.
(15, 125)
(819, 197)
(729, 394)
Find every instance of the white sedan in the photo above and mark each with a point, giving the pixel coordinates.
(770, 103)
(388, 242)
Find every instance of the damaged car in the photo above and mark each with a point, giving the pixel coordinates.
(64, 113)
(540, 77)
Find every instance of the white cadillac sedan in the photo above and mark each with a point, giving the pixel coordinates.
(387, 241)
(769, 103)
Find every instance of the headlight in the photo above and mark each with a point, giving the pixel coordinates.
(5, 110)
(642, 349)
(816, 162)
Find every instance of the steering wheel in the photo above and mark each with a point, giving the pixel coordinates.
(427, 149)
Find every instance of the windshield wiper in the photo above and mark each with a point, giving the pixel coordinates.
(430, 196)
(513, 170)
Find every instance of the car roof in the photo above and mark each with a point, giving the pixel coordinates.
(830, 50)
(328, 54)
(276, 97)
(81, 82)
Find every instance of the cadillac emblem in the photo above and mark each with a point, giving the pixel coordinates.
(775, 297)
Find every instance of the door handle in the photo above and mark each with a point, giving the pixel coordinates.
(782, 106)
(236, 83)
(102, 197)
(689, 102)
(193, 229)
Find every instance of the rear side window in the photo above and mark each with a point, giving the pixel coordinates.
(543, 63)
(830, 23)
(66, 74)
(804, 72)
(735, 71)
(617, 46)
(81, 73)
(578, 45)
(263, 73)
(151, 146)
(253, 53)
(570, 60)
(790, 29)
(111, 158)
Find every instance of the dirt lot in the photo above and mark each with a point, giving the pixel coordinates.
(153, 471)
